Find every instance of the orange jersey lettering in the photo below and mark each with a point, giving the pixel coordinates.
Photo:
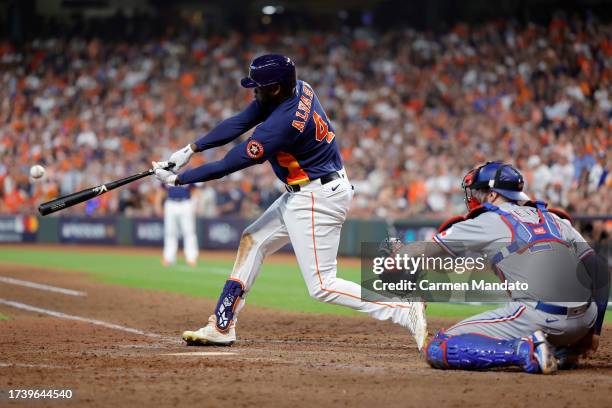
(299, 125)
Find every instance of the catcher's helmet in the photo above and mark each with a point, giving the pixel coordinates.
(270, 69)
(496, 176)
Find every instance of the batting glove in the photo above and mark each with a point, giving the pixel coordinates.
(181, 157)
(165, 176)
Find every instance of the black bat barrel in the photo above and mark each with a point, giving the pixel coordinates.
(75, 198)
(71, 199)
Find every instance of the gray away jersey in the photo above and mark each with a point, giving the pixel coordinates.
(553, 272)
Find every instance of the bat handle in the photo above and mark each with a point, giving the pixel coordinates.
(169, 166)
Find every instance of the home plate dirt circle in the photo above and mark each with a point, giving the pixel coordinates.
(202, 353)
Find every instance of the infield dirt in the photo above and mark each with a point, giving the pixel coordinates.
(282, 359)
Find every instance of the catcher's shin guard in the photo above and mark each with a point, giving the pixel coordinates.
(228, 301)
(473, 351)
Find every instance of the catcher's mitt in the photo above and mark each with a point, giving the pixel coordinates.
(390, 247)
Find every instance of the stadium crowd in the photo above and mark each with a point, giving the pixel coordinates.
(413, 112)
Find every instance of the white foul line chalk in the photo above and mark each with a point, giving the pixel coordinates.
(20, 365)
(61, 315)
(41, 286)
(201, 353)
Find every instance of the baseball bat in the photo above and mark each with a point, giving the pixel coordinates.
(70, 200)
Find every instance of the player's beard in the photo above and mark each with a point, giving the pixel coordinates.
(266, 97)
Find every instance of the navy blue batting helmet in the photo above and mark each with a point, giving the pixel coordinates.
(499, 177)
(270, 69)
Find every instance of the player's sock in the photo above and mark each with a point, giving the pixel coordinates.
(230, 296)
(475, 352)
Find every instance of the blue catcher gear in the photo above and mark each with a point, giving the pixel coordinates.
(496, 176)
(474, 351)
(537, 236)
(270, 69)
(230, 296)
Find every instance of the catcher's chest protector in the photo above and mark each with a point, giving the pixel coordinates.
(525, 235)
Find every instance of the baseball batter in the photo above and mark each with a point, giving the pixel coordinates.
(295, 136)
(560, 314)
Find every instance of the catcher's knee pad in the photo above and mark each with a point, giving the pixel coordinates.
(230, 296)
(474, 351)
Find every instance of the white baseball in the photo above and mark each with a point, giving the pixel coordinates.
(37, 171)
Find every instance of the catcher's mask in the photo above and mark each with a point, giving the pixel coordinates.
(502, 178)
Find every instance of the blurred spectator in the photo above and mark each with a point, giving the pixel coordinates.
(413, 113)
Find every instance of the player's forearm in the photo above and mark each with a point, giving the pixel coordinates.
(232, 162)
(229, 129)
(219, 136)
(206, 172)
(598, 270)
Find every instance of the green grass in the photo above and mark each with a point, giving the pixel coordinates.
(4, 317)
(279, 286)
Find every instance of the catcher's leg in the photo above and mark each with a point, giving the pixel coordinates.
(504, 337)
(265, 236)
(571, 336)
(314, 220)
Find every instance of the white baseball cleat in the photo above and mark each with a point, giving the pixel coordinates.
(415, 320)
(420, 325)
(544, 353)
(209, 335)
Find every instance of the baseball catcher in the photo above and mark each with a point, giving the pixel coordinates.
(547, 326)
